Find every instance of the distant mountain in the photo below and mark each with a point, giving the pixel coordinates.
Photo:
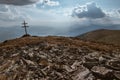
(102, 35)
(73, 30)
(7, 33)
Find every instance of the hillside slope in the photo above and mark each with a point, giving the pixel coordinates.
(58, 58)
(103, 35)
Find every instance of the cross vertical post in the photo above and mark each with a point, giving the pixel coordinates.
(25, 27)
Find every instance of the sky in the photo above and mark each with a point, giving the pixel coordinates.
(57, 17)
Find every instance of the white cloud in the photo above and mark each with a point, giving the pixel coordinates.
(3, 8)
(90, 10)
(14, 15)
(51, 3)
(10, 14)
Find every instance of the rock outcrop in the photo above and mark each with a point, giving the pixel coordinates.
(52, 60)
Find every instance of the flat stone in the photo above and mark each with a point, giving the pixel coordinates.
(101, 72)
(82, 74)
(29, 62)
(89, 65)
(114, 64)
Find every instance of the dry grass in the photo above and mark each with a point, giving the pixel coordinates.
(105, 36)
(65, 41)
(3, 77)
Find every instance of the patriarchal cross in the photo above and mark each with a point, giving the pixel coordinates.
(25, 26)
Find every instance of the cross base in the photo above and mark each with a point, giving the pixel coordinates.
(26, 35)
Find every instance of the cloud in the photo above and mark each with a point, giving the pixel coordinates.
(3, 8)
(48, 3)
(119, 11)
(88, 17)
(90, 10)
(11, 15)
(18, 2)
(51, 3)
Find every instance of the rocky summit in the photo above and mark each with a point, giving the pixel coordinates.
(58, 58)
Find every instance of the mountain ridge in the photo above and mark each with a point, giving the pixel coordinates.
(102, 35)
(32, 40)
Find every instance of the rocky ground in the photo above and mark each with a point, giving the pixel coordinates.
(58, 58)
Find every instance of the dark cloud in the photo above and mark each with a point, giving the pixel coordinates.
(119, 11)
(18, 2)
(89, 11)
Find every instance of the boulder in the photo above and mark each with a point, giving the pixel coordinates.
(114, 64)
(89, 65)
(102, 72)
(117, 75)
(82, 74)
